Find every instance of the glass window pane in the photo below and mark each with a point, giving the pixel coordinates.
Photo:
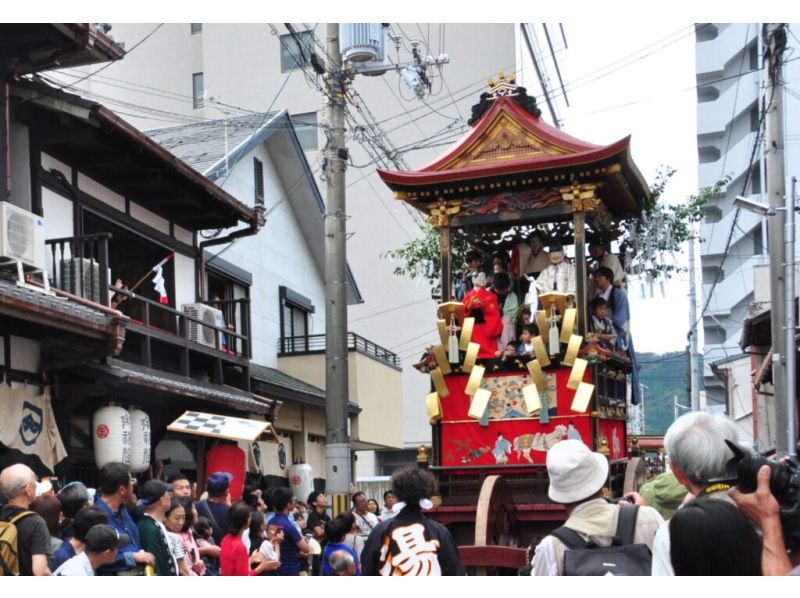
(291, 56)
(198, 90)
(305, 126)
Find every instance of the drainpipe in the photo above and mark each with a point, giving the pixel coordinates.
(237, 234)
(5, 131)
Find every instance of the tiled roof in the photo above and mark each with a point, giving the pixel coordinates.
(202, 145)
(70, 310)
(286, 387)
(188, 387)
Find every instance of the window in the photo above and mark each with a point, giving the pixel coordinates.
(295, 325)
(197, 28)
(198, 90)
(305, 126)
(292, 55)
(258, 173)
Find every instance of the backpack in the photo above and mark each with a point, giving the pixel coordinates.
(623, 557)
(9, 549)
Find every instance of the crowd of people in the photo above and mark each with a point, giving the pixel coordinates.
(159, 529)
(695, 519)
(502, 296)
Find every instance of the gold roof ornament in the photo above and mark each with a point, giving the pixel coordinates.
(422, 454)
(452, 308)
(553, 298)
(604, 450)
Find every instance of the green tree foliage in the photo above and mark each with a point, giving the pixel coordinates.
(422, 258)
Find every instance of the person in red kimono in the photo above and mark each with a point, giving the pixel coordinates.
(484, 307)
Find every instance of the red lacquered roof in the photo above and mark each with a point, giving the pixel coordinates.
(507, 140)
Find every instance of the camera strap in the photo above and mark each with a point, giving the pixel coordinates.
(715, 487)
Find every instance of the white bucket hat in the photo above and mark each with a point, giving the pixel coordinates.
(575, 471)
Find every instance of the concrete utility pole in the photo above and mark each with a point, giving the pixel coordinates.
(775, 44)
(694, 361)
(337, 438)
(791, 328)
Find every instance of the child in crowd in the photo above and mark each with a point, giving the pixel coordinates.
(601, 324)
(510, 351)
(209, 551)
(525, 347)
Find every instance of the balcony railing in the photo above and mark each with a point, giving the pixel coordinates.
(79, 265)
(316, 343)
(194, 329)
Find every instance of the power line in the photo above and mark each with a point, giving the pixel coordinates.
(104, 67)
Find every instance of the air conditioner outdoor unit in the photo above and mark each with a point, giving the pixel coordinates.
(21, 236)
(197, 332)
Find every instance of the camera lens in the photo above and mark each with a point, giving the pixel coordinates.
(779, 480)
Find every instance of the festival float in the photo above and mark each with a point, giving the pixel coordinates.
(495, 418)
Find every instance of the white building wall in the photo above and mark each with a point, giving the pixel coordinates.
(278, 255)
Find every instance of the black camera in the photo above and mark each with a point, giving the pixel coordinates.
(784, 484)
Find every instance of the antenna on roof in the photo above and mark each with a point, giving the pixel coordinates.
(217, 104)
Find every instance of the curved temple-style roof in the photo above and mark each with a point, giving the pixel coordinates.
(512, 149)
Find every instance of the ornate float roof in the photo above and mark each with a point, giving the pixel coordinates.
(510, 149)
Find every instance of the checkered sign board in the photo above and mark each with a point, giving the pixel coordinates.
(219, 426)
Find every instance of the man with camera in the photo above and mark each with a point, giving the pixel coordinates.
(699, 457)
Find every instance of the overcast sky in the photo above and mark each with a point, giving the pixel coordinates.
(639, 81)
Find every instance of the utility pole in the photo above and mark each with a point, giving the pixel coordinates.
(791, 344)
(694, 361)
(337, 439)
(775, 44)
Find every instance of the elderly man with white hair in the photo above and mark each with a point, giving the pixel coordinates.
(698, 455)
(18, 485)
(577, 477)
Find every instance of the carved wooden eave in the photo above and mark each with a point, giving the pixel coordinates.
(512, 161)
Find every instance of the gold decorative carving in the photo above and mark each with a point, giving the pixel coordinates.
(441, 359)
(581, 196)
(438, 383)
(475, 379)
(434, 406)
(603, 449)
(441, 211)
(472, 355)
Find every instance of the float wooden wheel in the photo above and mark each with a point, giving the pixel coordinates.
(495, 529)
(635, 475)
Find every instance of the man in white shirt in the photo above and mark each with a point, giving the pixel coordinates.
(102, 544)
(389, 500)
(365, 520)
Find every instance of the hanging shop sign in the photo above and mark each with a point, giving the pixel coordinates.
(224, 426)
